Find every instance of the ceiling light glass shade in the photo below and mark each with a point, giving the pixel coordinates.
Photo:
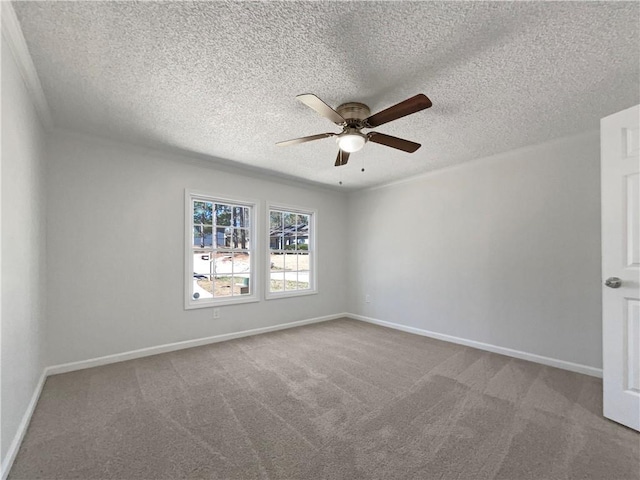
(351, 142)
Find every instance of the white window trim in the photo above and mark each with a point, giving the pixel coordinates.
(189, 302)
(313, 277)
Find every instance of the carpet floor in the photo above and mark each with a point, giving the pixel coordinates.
(335, 400)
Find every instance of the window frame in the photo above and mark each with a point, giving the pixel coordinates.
(312, 249)
(254, 248)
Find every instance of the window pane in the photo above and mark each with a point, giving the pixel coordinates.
(235, 216)
(198, 233)
(240, 217)
(276, 262)
(223, 237)
(241, 285)
(303, 220)
(304, 261)
(288, 219)
(275, 220)
(223, 262)
(202, 275)
(277, 282)
(303, 280)
(302, 232)
(201, 263)
(291, 279)
(218, 240)
(275, 230)
(222, 286)
(223, 215)
(297, 232)
(240, 238)
(206, 237)
(202, 213)
(290, 261)
(241, 262)
(198, 210)
(246, 217)
(244, 234)
(201, 288)
(289, 231)
(275, 243)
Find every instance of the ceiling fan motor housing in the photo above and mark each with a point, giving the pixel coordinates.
(354, 113)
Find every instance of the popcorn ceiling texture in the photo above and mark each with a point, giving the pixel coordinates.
(220, 78)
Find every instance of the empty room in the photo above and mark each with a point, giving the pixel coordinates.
(320, 240)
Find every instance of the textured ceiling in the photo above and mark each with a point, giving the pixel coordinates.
(220, 78)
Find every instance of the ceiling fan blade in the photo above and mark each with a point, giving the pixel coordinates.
(342, 159)
(311, 101)
(402, 109)
(393, 142)
(304, 139)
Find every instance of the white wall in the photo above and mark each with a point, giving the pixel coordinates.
(115, 249)
(23, 246)
(503, 250)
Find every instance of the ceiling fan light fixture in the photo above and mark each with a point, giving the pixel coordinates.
(351, 141)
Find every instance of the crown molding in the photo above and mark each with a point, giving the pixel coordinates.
(12, 33)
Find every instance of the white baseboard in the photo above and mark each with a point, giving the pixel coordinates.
(171, 347)
(532, 357)
(7, 462)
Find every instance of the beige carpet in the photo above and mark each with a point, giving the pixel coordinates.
(340, 399)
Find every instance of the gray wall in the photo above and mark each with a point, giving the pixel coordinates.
(503, 250)
(22, 253)
(115, 243)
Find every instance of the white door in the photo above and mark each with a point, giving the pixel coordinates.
(620, 163)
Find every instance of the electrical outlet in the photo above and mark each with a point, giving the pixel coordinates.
(216, 313)
(367, 298)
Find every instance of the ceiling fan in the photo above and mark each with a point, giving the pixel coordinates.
(353, 117)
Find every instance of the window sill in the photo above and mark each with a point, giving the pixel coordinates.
(209, 303)
(302, 293)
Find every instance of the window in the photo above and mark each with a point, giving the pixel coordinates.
(291, 253)
(220, 252)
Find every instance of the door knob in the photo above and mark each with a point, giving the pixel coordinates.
(613, 282)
